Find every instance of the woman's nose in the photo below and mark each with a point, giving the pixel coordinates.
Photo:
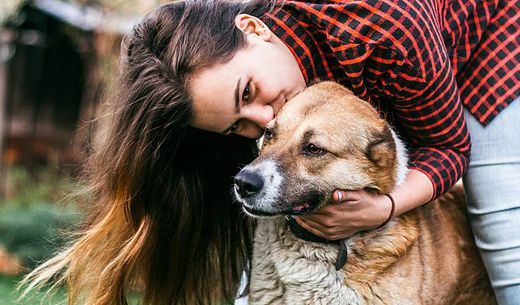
(261, 114)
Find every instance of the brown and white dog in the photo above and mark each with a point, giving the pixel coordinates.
(326, 139)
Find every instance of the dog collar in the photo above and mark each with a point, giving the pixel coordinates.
(301, 233)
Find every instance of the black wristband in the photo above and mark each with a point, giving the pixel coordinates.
(391, 212)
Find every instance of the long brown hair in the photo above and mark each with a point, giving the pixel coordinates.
(163, 221)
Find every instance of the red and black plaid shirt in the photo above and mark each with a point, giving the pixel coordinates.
(415, 61)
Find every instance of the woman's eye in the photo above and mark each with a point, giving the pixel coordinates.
(246, 93)
(311, 149)
(234, 127)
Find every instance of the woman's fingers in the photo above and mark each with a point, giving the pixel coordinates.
(339, 196)
(324, 227)
(354, 211)
(312, 227)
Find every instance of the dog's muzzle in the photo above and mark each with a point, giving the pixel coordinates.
(259, 187)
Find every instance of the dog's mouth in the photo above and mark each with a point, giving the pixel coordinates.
(302, 207)
(256, 212)
(307, 204)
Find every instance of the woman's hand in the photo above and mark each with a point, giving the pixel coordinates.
(355, 211)
(351, 212)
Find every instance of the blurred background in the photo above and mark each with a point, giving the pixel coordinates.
(56, 59)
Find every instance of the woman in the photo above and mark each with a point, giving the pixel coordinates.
(197, 73)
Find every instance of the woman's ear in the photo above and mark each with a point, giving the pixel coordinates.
(252, 25)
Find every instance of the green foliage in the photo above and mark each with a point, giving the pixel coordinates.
(9, 295)
(33, 218)
(33, 233)
(45, 185)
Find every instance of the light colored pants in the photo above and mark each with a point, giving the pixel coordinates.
(492, 185)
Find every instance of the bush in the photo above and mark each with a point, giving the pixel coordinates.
(34, 233)
(32, 223)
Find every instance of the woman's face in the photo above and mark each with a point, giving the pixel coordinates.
(242, 95)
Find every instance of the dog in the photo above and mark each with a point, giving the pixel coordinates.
(325, 139)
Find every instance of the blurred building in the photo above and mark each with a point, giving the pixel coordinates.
(56, 58)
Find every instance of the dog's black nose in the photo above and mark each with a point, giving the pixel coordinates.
(248, 183)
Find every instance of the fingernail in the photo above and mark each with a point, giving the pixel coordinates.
(337, 196)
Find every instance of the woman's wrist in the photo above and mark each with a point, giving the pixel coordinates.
(392, 211)
(414, 192)
(382, 210)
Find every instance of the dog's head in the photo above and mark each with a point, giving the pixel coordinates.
(324, 139)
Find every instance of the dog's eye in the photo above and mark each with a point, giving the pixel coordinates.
(314, 150)
(268, 133)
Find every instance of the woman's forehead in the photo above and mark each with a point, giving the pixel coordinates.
(216, 82)
(213, 94)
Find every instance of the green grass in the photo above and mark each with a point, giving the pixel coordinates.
(9, 295)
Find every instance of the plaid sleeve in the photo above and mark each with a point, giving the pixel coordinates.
(403, 61)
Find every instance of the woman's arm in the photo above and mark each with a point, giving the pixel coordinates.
(407, 70)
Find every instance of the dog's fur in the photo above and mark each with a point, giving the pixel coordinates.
(426, 256)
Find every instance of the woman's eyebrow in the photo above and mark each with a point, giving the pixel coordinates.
(237, 97)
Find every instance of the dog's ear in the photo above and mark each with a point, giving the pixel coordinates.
(382, 150)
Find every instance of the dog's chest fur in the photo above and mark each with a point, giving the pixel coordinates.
(287, 270)
(407, 262)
